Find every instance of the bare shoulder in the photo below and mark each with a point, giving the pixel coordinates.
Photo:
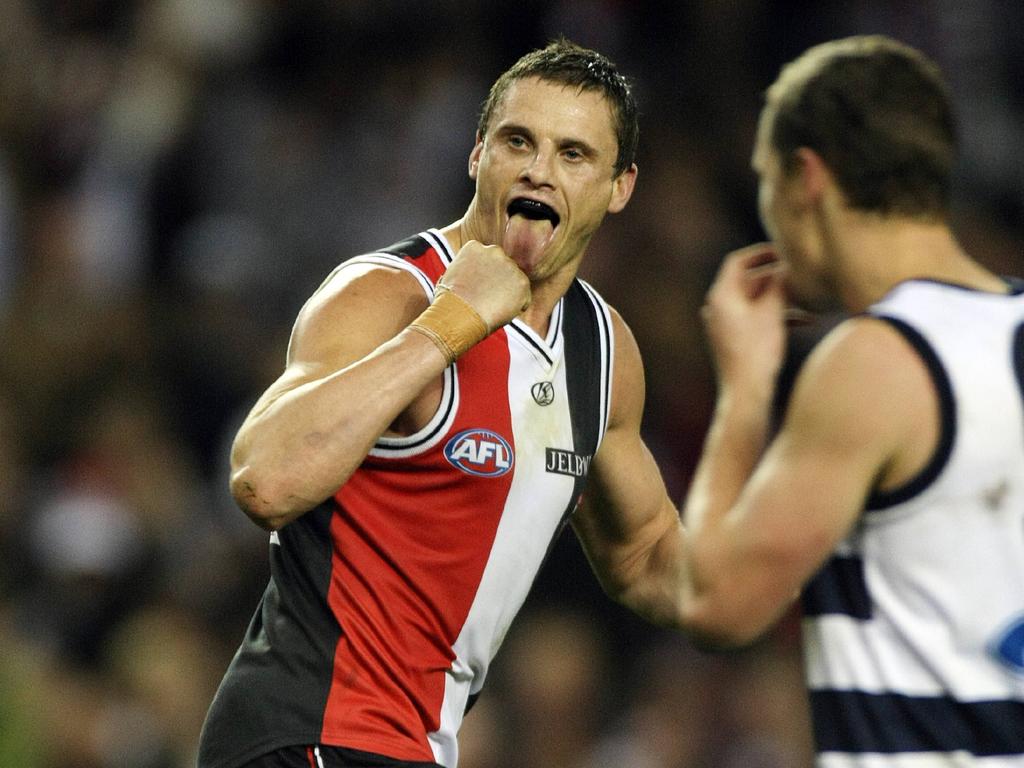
(864, 354)
(866, 389)
(357, 308)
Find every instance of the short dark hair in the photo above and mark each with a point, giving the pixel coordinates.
(563, 61)
(879, 114)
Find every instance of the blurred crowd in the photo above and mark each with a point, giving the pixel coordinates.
(176, 176)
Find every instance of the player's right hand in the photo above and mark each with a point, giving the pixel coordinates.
(486, 278)
(745, 316)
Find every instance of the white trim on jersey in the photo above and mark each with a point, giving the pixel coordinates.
(607, 354)
(437, 427)
(390, 260)
(547, 350)
(876, 660)
(441, 245)
(379, 259)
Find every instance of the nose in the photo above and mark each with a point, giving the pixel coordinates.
(540, 167)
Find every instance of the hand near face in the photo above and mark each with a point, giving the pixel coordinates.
(745, 316)
(490, 281)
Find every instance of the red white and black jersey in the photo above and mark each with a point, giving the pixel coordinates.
(387, 603)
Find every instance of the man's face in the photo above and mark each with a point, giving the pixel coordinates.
(545, 174)
(788, 222)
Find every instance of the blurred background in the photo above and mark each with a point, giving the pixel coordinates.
(177, 176)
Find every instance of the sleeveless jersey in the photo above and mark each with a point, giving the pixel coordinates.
(914, 630)
(387, 603)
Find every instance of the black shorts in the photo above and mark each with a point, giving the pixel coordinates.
(329, 757)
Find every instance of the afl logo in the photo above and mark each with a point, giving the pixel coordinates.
(479, 452)
(543, 392)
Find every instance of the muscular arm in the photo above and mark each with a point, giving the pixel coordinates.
(757, 522)
(626, 523)
(354, 370)
(758, 530)
(631, 530)
(863, 415)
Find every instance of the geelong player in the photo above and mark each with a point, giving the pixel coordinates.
(896, 479)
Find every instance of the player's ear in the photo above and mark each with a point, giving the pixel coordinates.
(474, 156)
(622, 189)
(815, 175)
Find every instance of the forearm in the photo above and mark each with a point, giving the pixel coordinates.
(298, 448)
(357, 363)
(634, 539)
(660, 583)
(744, 315)
(652, 581)
(714, 555)
(734, 444)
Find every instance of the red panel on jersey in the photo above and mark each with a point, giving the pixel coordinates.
(411, 541)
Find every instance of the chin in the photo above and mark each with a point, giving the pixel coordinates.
(540, 265)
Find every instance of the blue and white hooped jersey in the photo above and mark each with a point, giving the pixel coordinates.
(914, 630)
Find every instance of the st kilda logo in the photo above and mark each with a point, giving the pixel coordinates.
(480, 452)
(543, 392)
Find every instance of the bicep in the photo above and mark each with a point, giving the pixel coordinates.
(353, 312)
(358, 308)
(801, 500)
(629, 528)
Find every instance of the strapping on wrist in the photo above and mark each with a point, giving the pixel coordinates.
(451, 323)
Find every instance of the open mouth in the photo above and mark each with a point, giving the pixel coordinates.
(532, 209)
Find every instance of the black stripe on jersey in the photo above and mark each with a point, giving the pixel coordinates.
(606, 334)
(584, 359)
(276, 687)
(888, 723)
(440, 244)
(410, 248)
(838, 588)
(947, 427)
(1018, 356)
(587, 355)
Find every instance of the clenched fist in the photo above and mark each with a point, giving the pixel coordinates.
(489, 281)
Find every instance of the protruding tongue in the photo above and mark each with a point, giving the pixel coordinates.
(525, 239)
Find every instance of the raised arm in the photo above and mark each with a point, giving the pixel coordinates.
(355, 370)
(630, 528)
(863, 416)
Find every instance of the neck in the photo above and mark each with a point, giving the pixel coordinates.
(872, 254)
